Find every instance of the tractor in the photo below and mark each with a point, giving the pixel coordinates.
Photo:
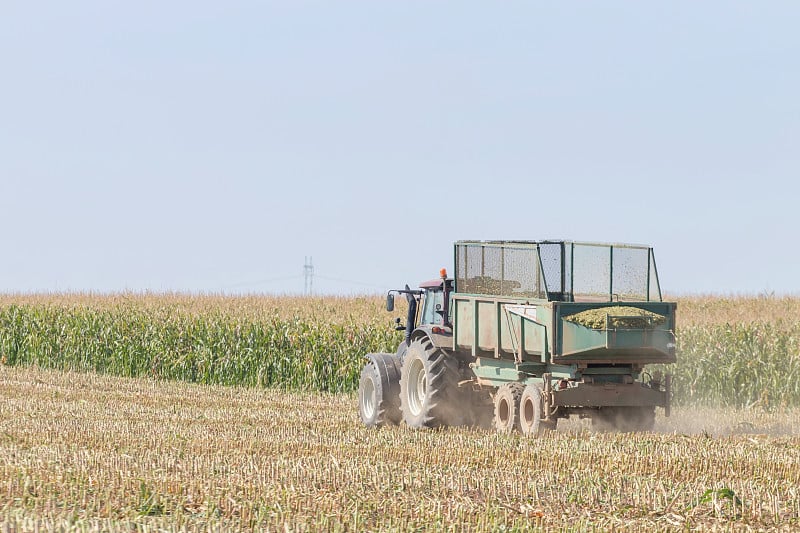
(525, 334)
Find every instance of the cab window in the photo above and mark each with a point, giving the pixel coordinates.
(432, 298)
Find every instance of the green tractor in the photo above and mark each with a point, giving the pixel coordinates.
(528, 332)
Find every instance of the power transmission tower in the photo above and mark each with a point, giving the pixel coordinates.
(308, 274)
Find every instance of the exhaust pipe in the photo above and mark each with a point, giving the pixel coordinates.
(412, 314)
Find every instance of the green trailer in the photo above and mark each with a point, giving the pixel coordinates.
(527, 333)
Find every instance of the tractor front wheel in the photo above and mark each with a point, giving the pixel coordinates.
(378, 401)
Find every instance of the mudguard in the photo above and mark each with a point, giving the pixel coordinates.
(443, 338)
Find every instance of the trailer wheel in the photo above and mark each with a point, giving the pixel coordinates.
(429, 393)
(378, 401)
(507, 407)
(530, 412)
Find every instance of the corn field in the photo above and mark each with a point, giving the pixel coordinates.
(735, 352)
(291, 344)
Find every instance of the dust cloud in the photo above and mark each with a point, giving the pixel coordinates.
(715, 422)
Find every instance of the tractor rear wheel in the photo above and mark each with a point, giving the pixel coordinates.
(378, 398)
(429, 393)
(507, 407)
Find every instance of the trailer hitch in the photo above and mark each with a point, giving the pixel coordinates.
(547, 396)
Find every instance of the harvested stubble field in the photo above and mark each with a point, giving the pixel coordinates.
(94, 452)
(90, 451)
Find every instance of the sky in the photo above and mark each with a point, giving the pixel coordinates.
(213, 146)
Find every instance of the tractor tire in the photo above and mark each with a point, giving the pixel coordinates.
(429, 393)
(507, 407)
(530, 412)
(378, 391)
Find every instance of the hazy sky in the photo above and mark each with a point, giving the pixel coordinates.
(207, 146)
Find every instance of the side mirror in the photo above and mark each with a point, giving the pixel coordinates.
(390, 302)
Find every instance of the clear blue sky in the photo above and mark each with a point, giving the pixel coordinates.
(206, 146)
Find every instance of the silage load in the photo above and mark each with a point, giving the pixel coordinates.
(626, 317)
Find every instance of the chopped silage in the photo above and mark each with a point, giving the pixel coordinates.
(621, 317)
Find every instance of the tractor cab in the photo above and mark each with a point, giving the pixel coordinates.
(433, 304)
(428, 305)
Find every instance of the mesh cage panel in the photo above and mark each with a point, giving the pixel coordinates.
(568, 269)
(474, 261)
(498, 270)
(551, 254)
(591, 274)
(521, 272)
(556, 270)
(461, 263)
(630, 273)
(492, 279)
(655, 288)
(469, 270)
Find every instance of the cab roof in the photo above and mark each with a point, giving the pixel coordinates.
(434, 283)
